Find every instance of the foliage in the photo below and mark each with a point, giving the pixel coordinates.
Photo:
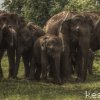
(13, 5)
(36, 11)
(83, 5)
(39, 11)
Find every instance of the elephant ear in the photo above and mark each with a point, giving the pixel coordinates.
(65, 26)
(89, 21)
(43, 43)
(97, 26)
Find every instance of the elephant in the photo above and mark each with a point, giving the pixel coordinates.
(54, 23)
(8, 25)
(26, 36)
(53, 26)
(7, 43)
(95, 17)
(94, 44)
(47, 55)
(90, 61)
(79, 29)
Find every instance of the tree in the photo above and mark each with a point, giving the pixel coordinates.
(13, 5)
(83, 5)
(39, 11)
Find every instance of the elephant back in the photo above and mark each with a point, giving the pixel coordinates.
(38, 31)
(53, 24)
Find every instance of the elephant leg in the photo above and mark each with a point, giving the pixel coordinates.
(38, 71)
(72, 65)
(65, 67)
(11, 59)
(51, 71)
(1, 55)
(84, 44)
(18, 56)
(44, 65)
(90, 62)
(57, 69)
(32, 69)
(26, 61)
(79, 64)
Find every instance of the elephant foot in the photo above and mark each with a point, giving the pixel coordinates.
(14, 78)
(37, 79)
(79, 80)
(57, 82)
(91, 73)
(45, 80)
(1, 76)
(27, 76)
(64, 80)
(30, 78)
(50, 75)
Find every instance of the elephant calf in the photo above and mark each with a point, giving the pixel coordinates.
(47, 52)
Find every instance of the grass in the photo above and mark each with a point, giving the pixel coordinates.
(26, 90)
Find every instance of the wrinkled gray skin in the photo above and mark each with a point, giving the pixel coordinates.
(94, 45)
(26, 37)
(90, 61)
(73, 56)
(95, 40)
(79, 29)
(8, 34)
(47, 52)
(53, 26)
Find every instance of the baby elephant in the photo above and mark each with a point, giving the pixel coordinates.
(47, 52)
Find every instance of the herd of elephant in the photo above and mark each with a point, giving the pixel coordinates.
(64, 47)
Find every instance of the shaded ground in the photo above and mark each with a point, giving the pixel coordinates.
(25, 90)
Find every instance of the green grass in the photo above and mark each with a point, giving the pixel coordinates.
(26, 90)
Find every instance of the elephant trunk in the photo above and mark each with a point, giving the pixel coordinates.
(84, 44)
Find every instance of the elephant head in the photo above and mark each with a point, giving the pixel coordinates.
(79, 30)
(78, 26)
(8, 32)
(52, 44)
(9, 35)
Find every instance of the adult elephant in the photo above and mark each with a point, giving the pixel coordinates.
(79, 29)
(8, 30)
(53, 26)
(94, 44)
(95, 17)
(26, 36)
